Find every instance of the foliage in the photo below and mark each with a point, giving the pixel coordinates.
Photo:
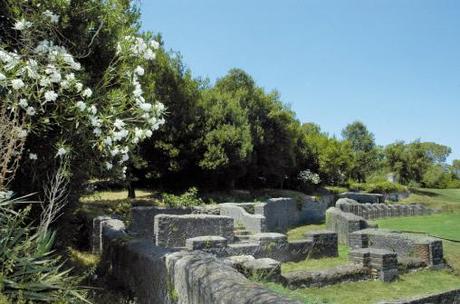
(30, 272)
(187, 199)
(76, 79)
(378, 187)
(436, 176)
(364, 149)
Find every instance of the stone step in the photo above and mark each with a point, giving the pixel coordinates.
(242, 232)
(239, 228)
(241, 238)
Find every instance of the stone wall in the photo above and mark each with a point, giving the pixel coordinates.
(173, 230)
(371, 198)
(142, 219)
(424, 248)
(162, 275)
(374, 211)
(271, 245)
(344, 223)
(448, 297)
(254, 223)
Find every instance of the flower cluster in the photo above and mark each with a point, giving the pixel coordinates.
(43, 80)
(308, 177)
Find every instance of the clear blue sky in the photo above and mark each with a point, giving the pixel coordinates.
(393, 64)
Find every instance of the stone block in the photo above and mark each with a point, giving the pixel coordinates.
(264, 268)
(205, 242)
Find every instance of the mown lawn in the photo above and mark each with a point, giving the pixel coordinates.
(448, 200)
(409, 285)
(316, 264)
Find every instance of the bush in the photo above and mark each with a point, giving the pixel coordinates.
(436, 177)
(29, 271)
(188, 199)
(378, 187)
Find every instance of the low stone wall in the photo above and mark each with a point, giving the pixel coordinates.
(254, 223)
(371, 198)
(174, 230)
(270, 245)
(375, 211)
(448, 297)
(344, 223)
(162, 275)
(424, 248)
(321, 278)
(396, 196)
(142, 219)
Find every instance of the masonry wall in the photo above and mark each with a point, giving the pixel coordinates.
(174, 230)
(161, 275)
(344, 223)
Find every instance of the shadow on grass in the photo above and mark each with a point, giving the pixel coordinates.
(424, 192)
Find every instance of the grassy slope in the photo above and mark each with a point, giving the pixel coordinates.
(416, 283)
(446, 224)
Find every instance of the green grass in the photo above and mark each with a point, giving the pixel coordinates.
(448, 200)
(299, 232)
(409, 285)
(445, 225)
(317, 264)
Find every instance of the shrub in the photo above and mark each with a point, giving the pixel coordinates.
(378, 187)
(436, 177)
(187, 199)
(29, 271)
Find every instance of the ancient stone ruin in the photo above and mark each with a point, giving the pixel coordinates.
(207, 255)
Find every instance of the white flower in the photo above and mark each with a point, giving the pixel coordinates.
(2, 77)
(149, 55)
(95, 122)
(137, 91)
(108, 141)
(81, 105)
(145, 106)
(17, 84)
(22, 133)
(53, 17)
(93, 109)
(119, 124)
(97, 131)
(148, 133)
(33, 156)
(30, 111)
(61, 152)
(23, 103)
(45, 81)
(79, 86)
(65, 84)
(55, 77)
(108, 165)
(154, 44)
(139, 70)
(51, 96)
(125, 157)
(70, 77)
(22, 24)
(87, 93)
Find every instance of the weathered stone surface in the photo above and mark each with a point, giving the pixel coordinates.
(371, 198)
(252, 222)
(325, 243)
(205, 242)
(163, 275)
(96, 233)
(173, 230)
(343, 223)
(320, 278)
(142, 219)
(264, 268)
(428, 249)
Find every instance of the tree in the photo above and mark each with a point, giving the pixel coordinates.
(364, 149)
(225, 143)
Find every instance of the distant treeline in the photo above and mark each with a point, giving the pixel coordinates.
(236, 134)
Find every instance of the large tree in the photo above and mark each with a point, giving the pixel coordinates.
(364, 149)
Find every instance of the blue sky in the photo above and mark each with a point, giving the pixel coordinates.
(393, 64)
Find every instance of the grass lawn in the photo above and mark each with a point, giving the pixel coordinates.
(444, 199)
(316, 264)
(409, 285)
(446, 225)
